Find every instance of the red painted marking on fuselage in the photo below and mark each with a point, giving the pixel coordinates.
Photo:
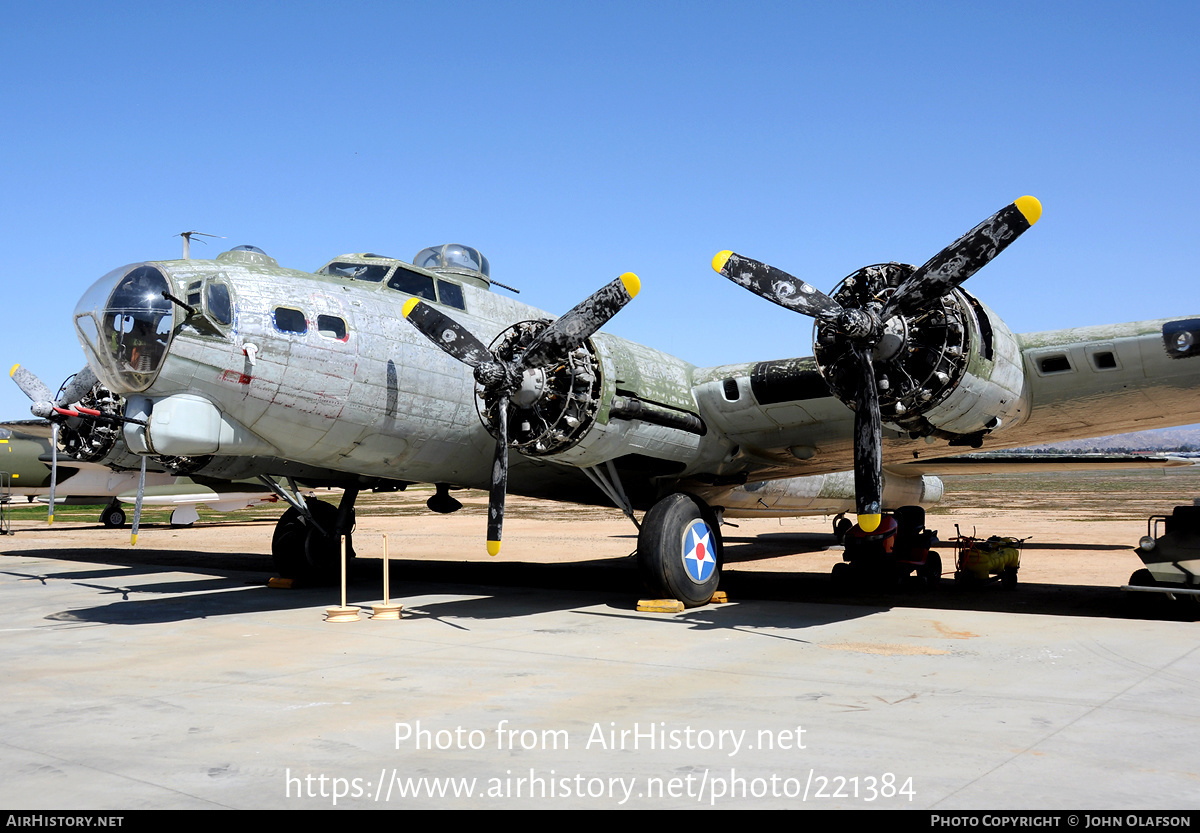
(234, 376)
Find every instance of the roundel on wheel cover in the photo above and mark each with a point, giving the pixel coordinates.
(699, 554)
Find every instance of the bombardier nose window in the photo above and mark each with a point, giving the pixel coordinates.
(125, 321)
(138, 323)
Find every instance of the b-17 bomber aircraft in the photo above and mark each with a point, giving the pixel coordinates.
(375, 371)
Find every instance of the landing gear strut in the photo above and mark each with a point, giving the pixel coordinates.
(308, 548)
(679, 549)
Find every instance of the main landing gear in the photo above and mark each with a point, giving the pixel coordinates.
(113, 515)
(306, 544)
(679, 549)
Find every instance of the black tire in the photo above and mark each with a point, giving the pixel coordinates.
(932, 569)
(840, 528)
(287, 545)
(1142, 578)
(676, 527)
(1008, 578)
(842, 575)
(113, 517)
(300, 552)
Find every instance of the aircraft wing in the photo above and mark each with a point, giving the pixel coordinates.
(988, 463)
(781, 419)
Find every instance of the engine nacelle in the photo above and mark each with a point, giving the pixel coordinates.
(608, 398)
(952, 370)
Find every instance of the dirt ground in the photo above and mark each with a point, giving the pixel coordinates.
(1081, 528)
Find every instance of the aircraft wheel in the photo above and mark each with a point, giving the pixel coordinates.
(323, 552)
(842, 575)
(679, 550)
(303, 553)
(1008, 579)
(113, 517)
(840, 527)
(1142, 578)
(932, 570)
(287, 545)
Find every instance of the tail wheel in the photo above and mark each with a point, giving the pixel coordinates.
(679, 550)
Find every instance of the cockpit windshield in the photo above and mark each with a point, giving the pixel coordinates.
(373, 272)
(125, 321)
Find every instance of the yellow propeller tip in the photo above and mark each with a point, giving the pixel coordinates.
(50, 521)
(133, 541)
(720, 258)
(493, 548)
(14, 368)
(633, 286)
(869, 523)
(1029, 207)
(408, 306)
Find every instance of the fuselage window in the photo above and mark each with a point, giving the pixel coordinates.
(413, 283)
(451, 294)
(1055, 364)
(217, 301)
(371, 272)
(289, 320)
(331, 326)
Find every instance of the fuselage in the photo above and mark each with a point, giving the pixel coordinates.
(251, 360)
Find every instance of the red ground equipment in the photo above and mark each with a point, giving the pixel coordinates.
(899, 546)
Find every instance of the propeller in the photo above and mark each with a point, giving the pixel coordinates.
(863, 326)
(53, 408)
(518, 380)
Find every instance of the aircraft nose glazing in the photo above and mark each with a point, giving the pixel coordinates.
(124, 322)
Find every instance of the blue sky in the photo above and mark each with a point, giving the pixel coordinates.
(573, 142)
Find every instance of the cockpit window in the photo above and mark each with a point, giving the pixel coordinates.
(414, 283)
(371, 272)
(218, 304)
(289, 320)
(451, 294)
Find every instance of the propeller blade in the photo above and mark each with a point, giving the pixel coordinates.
(137, 506)
(868, 444)
(53, 470)
(447, 333)
(777, 286)
(77, 387)
(964, 257)
(499, 480)
(35, 389)
(580, 322)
